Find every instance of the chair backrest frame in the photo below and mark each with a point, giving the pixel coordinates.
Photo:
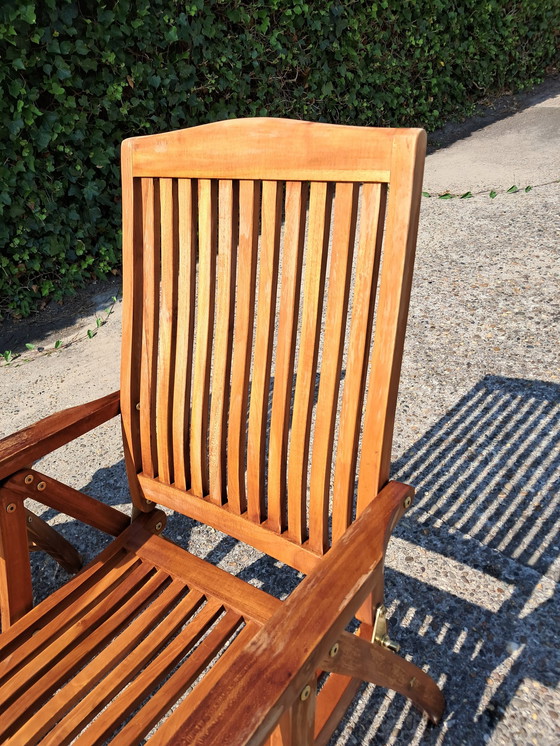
(209, 279)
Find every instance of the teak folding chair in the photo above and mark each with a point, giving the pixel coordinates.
(259, 375)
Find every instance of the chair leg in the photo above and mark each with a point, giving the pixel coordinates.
(297, 725)
(16, 594)
(42, 536)
(378, 665)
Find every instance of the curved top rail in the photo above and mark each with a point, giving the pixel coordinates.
(269, 148)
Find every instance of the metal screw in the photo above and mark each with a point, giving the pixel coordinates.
(41, 486)
(149, 502)
(333, 652)
(28, 478)
(407, 502)
(159, 526)
(29, 519)
(10, 507)
(305, 693)
(138, 406)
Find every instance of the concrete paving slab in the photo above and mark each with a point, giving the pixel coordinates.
(472, 572)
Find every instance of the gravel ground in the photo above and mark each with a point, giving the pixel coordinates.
(472, 570)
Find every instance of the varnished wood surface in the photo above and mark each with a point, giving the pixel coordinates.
(34, 442)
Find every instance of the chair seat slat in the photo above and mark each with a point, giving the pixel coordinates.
(55, 679)
(183, 678)
(119, 675)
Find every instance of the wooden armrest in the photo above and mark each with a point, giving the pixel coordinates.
(26, 446)
(266, 677)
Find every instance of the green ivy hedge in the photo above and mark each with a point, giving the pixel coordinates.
(78, 77)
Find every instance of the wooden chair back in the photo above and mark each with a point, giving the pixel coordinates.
(267, 271)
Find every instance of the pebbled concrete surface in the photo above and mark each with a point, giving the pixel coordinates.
(472, 571)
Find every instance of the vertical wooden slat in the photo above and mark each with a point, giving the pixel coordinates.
(345, 212)
(258, 409)
(407, 166)
(185, 327)
(292, 258)
(225, 273)
(167, 328)
(249, 200)
(316, 257)
(132, 239)
(372, 215)
(148, 367)
(207, 199)
(132, 306)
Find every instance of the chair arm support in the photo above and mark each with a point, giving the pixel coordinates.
(26, 446)
(270, 672)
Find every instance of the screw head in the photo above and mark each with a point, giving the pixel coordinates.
(333, 652)
(28, 478)
(305, 693)
(407, 502)
(149, 502)
(29, 519)
(41, 486)
(10, 507)
(138, 406)
(158, 526)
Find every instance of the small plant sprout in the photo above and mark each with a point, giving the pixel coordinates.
(90, 333)
(58, 344)
(29, 346)
(8, 356)
(528, 188)
(493, 194)
(512, 189)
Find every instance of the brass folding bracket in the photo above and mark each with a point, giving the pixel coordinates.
(380, 634)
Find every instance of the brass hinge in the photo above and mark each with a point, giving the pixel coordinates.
(380, 635)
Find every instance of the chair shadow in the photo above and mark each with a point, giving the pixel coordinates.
(485, 516)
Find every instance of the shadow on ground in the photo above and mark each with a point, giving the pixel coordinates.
(485, 524)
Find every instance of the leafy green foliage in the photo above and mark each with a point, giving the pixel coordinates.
(77, 78)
